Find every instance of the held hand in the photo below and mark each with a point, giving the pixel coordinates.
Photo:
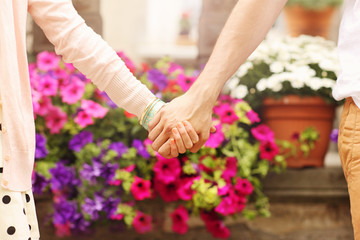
(185, 107)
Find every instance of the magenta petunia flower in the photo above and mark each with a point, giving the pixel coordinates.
(45, 105)
(140, 188)
(243, 187)
(84, 119)
(215, 139)
(268, 150)
(185, 82)
(226, 113)
(168, 192)
(179, 218)
(239, 202)
(47, 61)
(73, 91)
(263, 133)
(184, 191)
(218, 229)
(94, 109)
(230, 169)
(142, 223)
(55, 120)
(70, 67)
(226, 207)
(167, 170)
(253, 116)
(47, 85)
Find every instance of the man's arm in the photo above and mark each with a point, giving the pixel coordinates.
(246, 27)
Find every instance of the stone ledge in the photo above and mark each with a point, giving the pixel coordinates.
(311, 184)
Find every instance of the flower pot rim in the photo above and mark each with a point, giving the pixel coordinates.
(296, 100)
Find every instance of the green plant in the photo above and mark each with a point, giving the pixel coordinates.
(315, 4)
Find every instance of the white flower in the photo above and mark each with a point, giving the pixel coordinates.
(239, 92)
(230, 85)
(277, 67)
(261, 85)
(315, 83)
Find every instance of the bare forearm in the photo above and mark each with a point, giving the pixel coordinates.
(246, 27)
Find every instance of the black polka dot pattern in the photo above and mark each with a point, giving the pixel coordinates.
(6, 199)
(27, 198)
(29, 227)
(11, 230)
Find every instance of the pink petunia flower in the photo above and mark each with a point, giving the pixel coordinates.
(140, 188)
(184, 191)
(167, 170)
(45, 105)
(94, 109)
(168, 192)
(226, 113)
(115, 182)
(62, 230)
(55, 120)
(142, 223)
(268, 150)
(179, 220)
(129, 64)
(185, 82)
(243, 187)
(253, 116)
(117, 217)
(175, 68)
(214, 225)
(84, 119)
(239, 202)
(73, 91)
(230, 169)
(226, 207)
(224, 190)
(69, 67)
(216, 139)
(47, 85)
(47, 61)
(218, 229)
(263, 133)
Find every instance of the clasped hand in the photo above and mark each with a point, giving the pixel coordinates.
(180, 125)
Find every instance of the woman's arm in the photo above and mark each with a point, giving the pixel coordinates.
(80, 45)
(246, 27)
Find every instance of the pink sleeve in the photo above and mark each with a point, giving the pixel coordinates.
(80, 45)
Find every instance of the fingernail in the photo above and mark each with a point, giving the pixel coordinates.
(172, 141)
(185, 123)
(179, 125)
(174, 131)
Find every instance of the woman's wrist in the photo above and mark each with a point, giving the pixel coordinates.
(150, 111)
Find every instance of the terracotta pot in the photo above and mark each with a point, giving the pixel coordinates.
(309, 22)
(293, 114)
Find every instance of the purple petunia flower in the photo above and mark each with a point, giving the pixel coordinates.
(334, 135)
(39, 183)
(109, 102)
(64, 212)
(93, 206)
(142, 151)
(157, 78)
(108, 171)
(110, 206)
(91, 172)
(119, 147)
(40, 150)
(63, 177)
(79, 223)
(80, 140)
